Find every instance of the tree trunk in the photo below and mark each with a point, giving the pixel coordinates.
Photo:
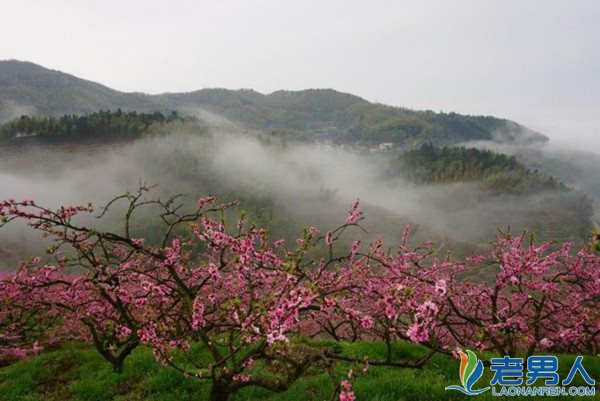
(217, 393)
(117, 365)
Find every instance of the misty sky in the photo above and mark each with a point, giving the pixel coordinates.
(537, 62)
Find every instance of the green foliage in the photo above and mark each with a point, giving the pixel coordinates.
(595, 240)
(287, 135)
(100, 126)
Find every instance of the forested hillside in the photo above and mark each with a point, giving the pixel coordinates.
(26, 88)
(345, 118)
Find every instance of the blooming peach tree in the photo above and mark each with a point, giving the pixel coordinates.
(523, 296)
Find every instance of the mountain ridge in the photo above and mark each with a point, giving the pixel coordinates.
(28, 88)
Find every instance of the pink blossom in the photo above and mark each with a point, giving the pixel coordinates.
(366, 322)
(346, 394)
(354, 214)
(198, 315)
(440, 287)
(206, 200)
(417, 333)
(546, 343)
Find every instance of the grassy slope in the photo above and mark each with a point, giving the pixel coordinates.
(75, 373)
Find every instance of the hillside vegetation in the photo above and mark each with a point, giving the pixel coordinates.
(100, 126)
(31, 88)
(495, 171)
(558, 211)
(26, 88)
(325, 113)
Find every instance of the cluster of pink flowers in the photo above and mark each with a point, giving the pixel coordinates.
(346, 393)
(355, 214)
(523, 296)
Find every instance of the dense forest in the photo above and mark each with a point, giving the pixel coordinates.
(100, 126)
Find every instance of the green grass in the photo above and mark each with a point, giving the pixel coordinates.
(75, 373)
